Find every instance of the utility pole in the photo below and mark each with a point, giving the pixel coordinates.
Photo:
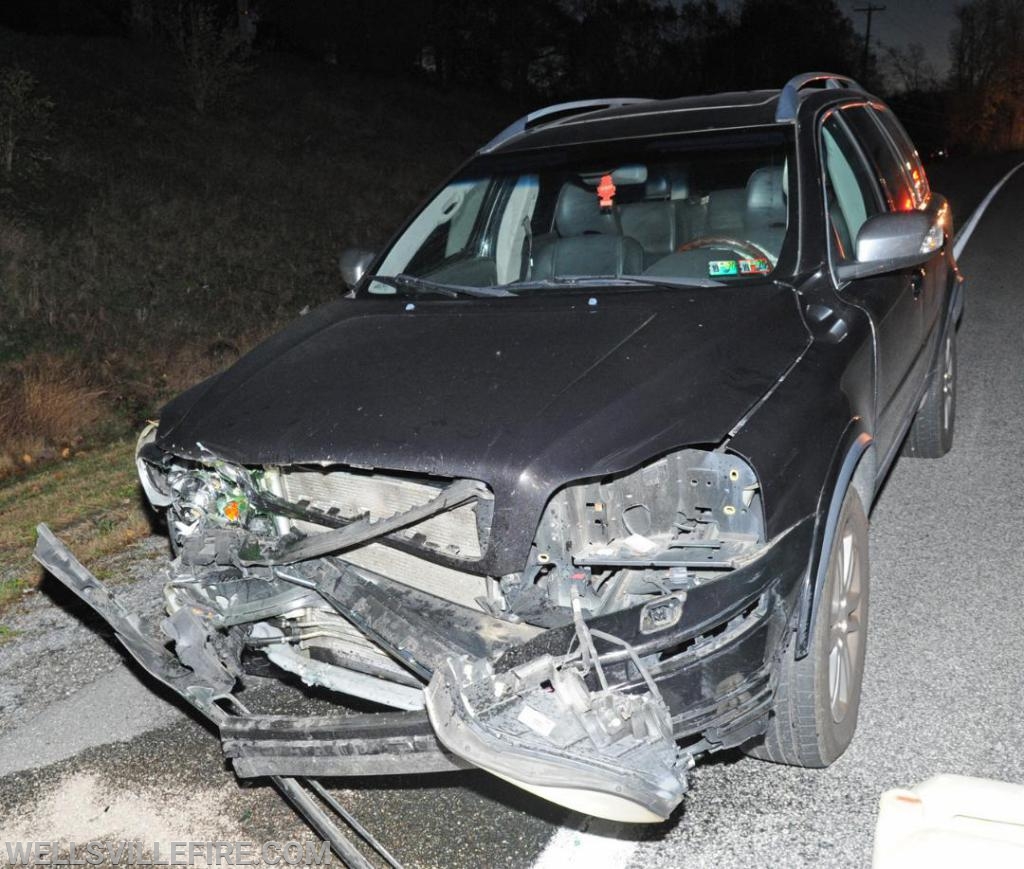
(870, 9)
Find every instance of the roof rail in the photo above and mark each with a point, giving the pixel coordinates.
(576, 106)
(789, 99)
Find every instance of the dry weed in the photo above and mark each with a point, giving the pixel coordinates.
(47, 403)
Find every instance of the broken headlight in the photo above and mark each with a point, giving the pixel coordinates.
(203, 499)
(676, 500)
(152, 475)
(652, 530)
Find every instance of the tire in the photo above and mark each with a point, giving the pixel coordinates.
(814, 713)
(931, 433)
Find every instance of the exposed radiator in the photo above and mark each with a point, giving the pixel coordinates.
(454, 585)
(348, 494)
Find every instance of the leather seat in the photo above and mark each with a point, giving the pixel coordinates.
(725, 212)
(588, 240)
(652, 220)
(766, 210)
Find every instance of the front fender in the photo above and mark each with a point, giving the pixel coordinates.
(850, 454)
(806, 443)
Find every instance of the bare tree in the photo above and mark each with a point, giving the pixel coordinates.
(141, 18)
(910, 67)
(248, 21)
(23, 113)
(987, 54)
(213, 53)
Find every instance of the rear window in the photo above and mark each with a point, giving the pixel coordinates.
(887, 165)
(907, 151)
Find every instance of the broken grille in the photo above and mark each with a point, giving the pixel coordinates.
(455, 533)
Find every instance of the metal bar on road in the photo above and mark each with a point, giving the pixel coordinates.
(319, 821)
(322, 792)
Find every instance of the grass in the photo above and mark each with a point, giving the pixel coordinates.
(92, 501)
(147, 223)
(51, 405)
(11, 590)
(154, 246)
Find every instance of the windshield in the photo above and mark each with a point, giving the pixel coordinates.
(693, 210)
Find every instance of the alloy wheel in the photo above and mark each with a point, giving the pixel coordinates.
(948, 385)
(844, 634)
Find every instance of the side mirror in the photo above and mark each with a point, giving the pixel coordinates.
(353, 264)
(891, 241)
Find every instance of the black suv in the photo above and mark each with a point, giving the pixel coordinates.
(577, 477)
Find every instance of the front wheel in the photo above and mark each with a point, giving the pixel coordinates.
(931, 433)
(814, 713)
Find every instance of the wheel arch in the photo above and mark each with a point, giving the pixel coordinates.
(854, 466)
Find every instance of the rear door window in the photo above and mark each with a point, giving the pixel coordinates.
(907, 151)
(884, 161)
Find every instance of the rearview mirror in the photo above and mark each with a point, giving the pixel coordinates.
(892, 241)
(353, 264)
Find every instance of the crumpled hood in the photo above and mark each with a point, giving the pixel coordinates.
(524, 393)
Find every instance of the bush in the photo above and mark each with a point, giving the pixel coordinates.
(213, 54)
(23, 113)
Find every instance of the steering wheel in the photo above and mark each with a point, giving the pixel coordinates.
(734, 244)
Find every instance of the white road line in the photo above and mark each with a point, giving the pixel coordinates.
(965, 232)
(594, 844)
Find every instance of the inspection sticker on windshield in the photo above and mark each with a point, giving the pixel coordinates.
(719, 267)
(754, 267)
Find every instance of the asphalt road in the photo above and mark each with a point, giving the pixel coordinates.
(87, 750)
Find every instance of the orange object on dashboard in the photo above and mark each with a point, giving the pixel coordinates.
(606, 191)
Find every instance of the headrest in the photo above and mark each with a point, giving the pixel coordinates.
(766, 193)
(680, 185)
(578, 211)
(657, 187)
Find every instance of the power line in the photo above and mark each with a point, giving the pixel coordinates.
(870, 10)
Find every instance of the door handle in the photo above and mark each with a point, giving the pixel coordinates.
(917, 283)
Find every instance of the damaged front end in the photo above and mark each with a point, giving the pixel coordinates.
(639, 634)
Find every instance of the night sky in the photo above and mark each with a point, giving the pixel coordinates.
(904, 21)
(926, 21)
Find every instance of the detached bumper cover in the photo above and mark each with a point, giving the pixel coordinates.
(259, 745)
(705, 678)
(199, 687)
(609, 755)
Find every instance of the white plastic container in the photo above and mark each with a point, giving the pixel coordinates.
(951, 820)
